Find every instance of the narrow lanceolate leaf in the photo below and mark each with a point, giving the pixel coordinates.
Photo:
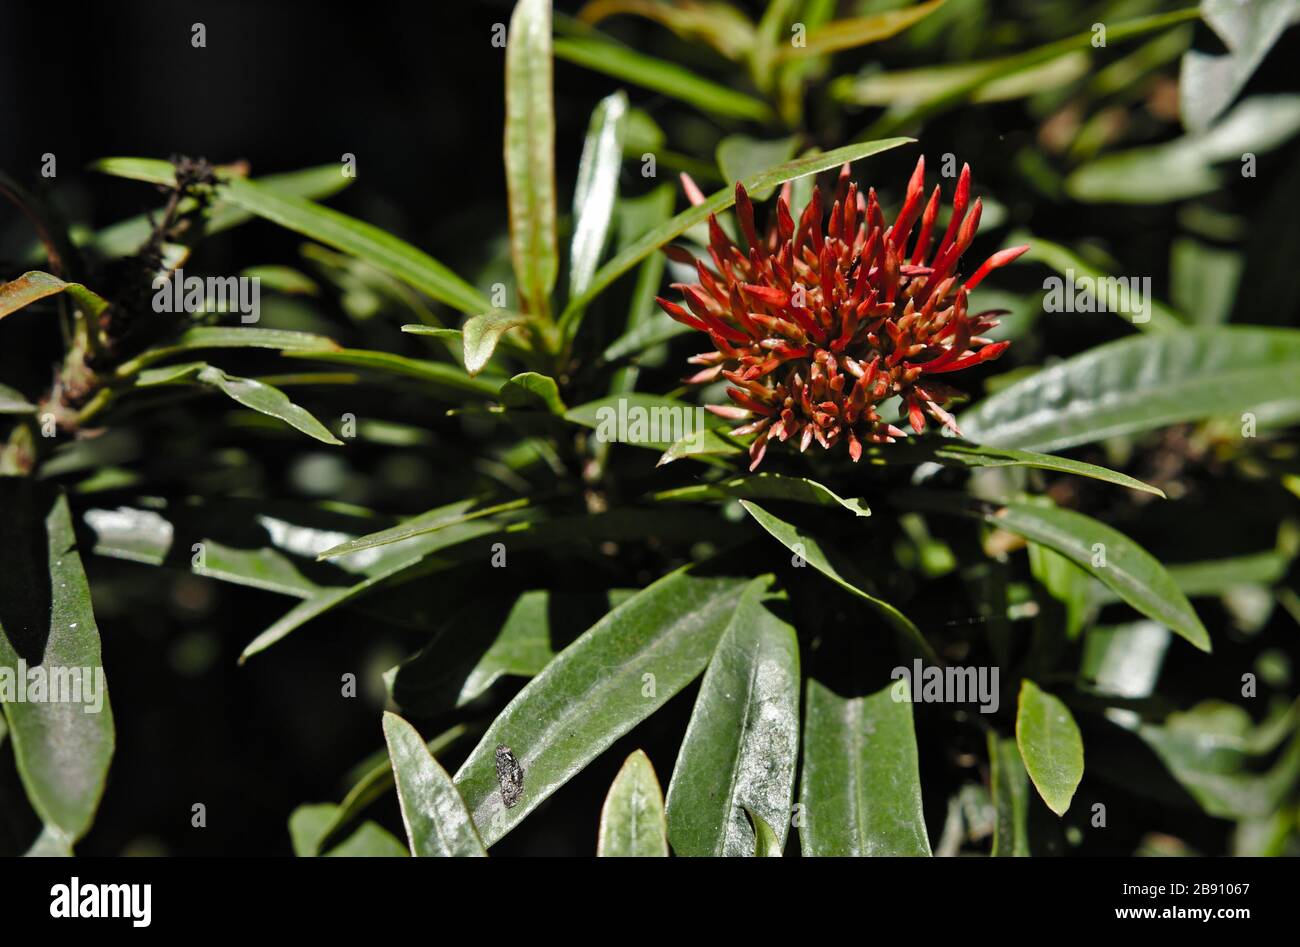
(836, 567)
(442, 379)
(766, 486)
(229, 337)
(596, 190)
(742, 743)
(428, 522)
(437, 822)
(530, 154)
(861, 789)
(62, 739)
(1141, 383)
(859, 31)
(358, 238)
(639, 249)
(128, 236)
(1050, 745)
(620, 671)
(1118, 562)
(260, 397)
(953, 453)
(1010, 790)
(374, 783)
(614, 59)
(482, 333)
(632, 819)
(374, 567)
(33, 286)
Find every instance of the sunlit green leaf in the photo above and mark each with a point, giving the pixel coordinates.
(437, 822)
(613, 59)
(596, 690)
(596, 190)
(742, 742)
(860, 793)
(1138, 384)
(62, 746)
(1050, 746)
(632, 820)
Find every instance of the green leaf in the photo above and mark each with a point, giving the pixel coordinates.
(51, 843)
(445, 380)
(1081, 280)
(704, 448)
(1208, 82)
(1204, 279)
(915, 87)
(372, 244)
(767, 844)
(954, 453)
(482, 333)
(831, 563)
(437, 822)
(601, 54)
(644, 335)
(533, 390)
(1141, 383)
(860, 31)
(717, 23)
(530, 157)
(229, 337)
(430, 521)
(1118, 562)
(489, 638)
(1065, 582)
(35, 285)
(596, 690)
(14, 402)
(1050, 746)
(860, 793)
(1123, 660)
(632, 819)
(631, 255)
(377, 567)
(273, 547)
(128, 236)
(373, 783)
(1186, 167)
(1010, 790)
(249, 392)
(307, 830)
(742, 743)
(765, 486)
(740, 157)
(437, 332)
(62, 747)
(596, 190)
(950, 95)
(643, 420)
(1206, 755)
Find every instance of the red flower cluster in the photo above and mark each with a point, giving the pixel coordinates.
(815, 327)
